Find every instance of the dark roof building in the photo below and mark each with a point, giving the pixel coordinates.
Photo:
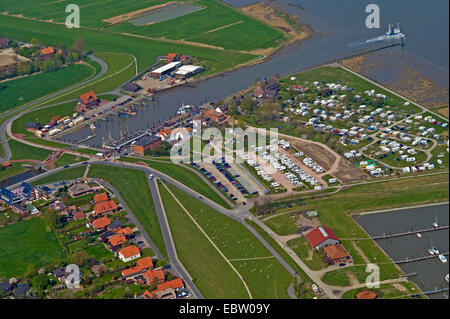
(5, 287)
(145, 144)
(21, 290)
(132, 87)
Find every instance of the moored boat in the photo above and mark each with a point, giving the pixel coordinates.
(442, 258)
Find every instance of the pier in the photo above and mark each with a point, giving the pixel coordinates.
(407, 260)
(127, 140)
(412, 232)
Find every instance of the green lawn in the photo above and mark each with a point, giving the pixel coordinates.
(264, 275)
(65, 174)
(27, 242)
(133, 186)
(23, 151)
(16, 168)
(67, 159)
(311, 257)
(27, 89)
(184, 176)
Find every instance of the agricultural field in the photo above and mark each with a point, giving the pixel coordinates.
(217, 24)
(144, 49)
(263, 274)
(29, 242)
(21, 91)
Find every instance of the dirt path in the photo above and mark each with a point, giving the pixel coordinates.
(360, 252)
(225, 26)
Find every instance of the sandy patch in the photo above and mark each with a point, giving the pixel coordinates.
(8, 56)
(274, 16)
(135, 14)
(444, 111)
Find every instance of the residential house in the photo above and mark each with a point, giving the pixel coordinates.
(77, 215)
(181, 133)
(105, 207)
(21, 291)
(336, 254)
(116, 241)
(267, 89)
(163, 287)
(126, 231)
(215, 116)
(154, 276)
(5, 287)
(87, 101)
(48, 51)
(164, 134)
(100, 223)
(142, 265)
(321, 236)
(115, 225)
(129, 253)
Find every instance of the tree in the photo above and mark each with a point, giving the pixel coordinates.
(80, 258)
(79, 46)
(40, 282)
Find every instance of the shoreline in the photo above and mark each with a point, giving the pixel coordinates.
(387, 210)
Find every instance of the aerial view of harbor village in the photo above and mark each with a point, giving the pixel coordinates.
(239, 149)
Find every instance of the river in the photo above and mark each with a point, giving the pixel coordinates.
(337, 24)
(430, 273)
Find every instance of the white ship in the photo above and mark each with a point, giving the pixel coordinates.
(442, 258)
(391, 34)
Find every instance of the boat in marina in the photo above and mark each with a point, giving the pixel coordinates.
(446, 278)
(442, 258)
(435, 250)
(419, 235)
(183, 109)
(92, 126)
(431, 252)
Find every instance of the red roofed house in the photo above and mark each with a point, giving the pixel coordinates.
(165, 290)
(126, 231)
(218, 117)
(164, 134)
(366, 294)
(336, 254)
(100, 223)
(100, 198)
(78, 215)
(152, 276)
(47, 51)
(87, 101)
(174, 284)
(172, 57)
(117, 240)
(321, 236)
(142, 265)
(129, 253)
(105, 207)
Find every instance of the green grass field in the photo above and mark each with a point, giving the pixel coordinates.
(67, 159)
(23, 151)
(264, 275)
(27, 89)
(145, 50)
(27, 242)
(185, 176)
(133, 186)
(65, 174)
(217, 24)
(16, 168)
(312, 258)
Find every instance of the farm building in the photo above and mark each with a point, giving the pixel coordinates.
(166, 69)
(321, 236)
(172, 57)
(132, 87)
(150, 143)
(187, 71)
(87, 101)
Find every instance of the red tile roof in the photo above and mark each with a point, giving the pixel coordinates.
(88, 97)
(335, 251)
(174, 284)
(101, 222)
(105, 207)
(116, 240)
(124, 231)
(129, 251)
(101, 197)
(319, 234)
(151, 275)
(366, 294)
(48, 50)
(78, 215)
(142, 264)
